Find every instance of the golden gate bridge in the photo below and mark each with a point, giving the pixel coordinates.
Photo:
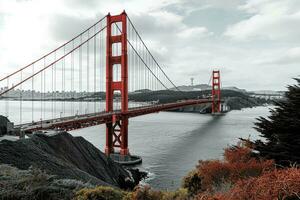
(107, 60)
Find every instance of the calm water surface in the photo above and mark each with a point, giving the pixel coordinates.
(172, 143)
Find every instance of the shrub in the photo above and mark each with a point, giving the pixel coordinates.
(281, 184)
(213, 173)
(218, 176)
(180, 194)
(146, 193)
(34, 178)
(238, 165)
(32, 184)
(192, 182)
(239, 153)
(99, 193)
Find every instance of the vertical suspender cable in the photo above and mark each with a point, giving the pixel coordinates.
(21, 95)
(94, 95)
(44, 95)
(32, 95)
(139, 69)
(100, 66)
(149, 72)
(80, 76)
(64, 83)
(7, 100)
(145, 71)
(87, 72)
(52, 94)
(72, 80)
(55, 91)
(41, 98)
(62, 89)
(135, 65)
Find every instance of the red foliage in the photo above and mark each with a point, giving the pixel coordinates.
(250, 178)
(239, 153)
(277, 184)
(238, 165)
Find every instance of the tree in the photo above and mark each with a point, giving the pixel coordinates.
(281, 130)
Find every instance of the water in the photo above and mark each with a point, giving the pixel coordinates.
(172, 143)
(21, 112)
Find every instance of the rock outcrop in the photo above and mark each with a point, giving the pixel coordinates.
(65, 157)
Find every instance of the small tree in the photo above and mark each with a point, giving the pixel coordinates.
(282, 130)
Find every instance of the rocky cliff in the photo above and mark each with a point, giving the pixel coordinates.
(65, 157)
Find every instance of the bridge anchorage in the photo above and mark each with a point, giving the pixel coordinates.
(50, 89)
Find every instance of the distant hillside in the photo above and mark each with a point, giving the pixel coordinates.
(193, 88)
(267, 92)
(201, 87)
(166, 96)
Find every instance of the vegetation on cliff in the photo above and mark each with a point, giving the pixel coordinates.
(34, 183)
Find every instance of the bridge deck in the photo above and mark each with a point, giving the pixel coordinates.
(81, 121)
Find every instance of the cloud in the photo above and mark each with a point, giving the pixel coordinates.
(64, 27)
(271, 20)
(283, 57)
(194, 32)
(189, 6)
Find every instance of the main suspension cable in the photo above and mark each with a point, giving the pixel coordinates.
(152, 55)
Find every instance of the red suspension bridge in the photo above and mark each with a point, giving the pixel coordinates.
(65, 89)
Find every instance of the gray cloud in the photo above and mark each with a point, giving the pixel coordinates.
(82, 4)
(64, 27)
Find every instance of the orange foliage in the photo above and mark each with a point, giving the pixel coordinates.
(249, 178)
(277, 184)
(240, 153)
(238, 165)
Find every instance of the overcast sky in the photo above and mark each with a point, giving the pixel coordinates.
(255, 43)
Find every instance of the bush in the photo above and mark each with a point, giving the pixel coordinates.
(99, 193)
(180, 194)
(238, 165)
(281, 184)
(192, 182)
(146, 193)
(33, 184)
(239, 153)
(218, 176)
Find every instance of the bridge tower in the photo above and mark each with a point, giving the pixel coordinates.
(216, 92)
(117, 130)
